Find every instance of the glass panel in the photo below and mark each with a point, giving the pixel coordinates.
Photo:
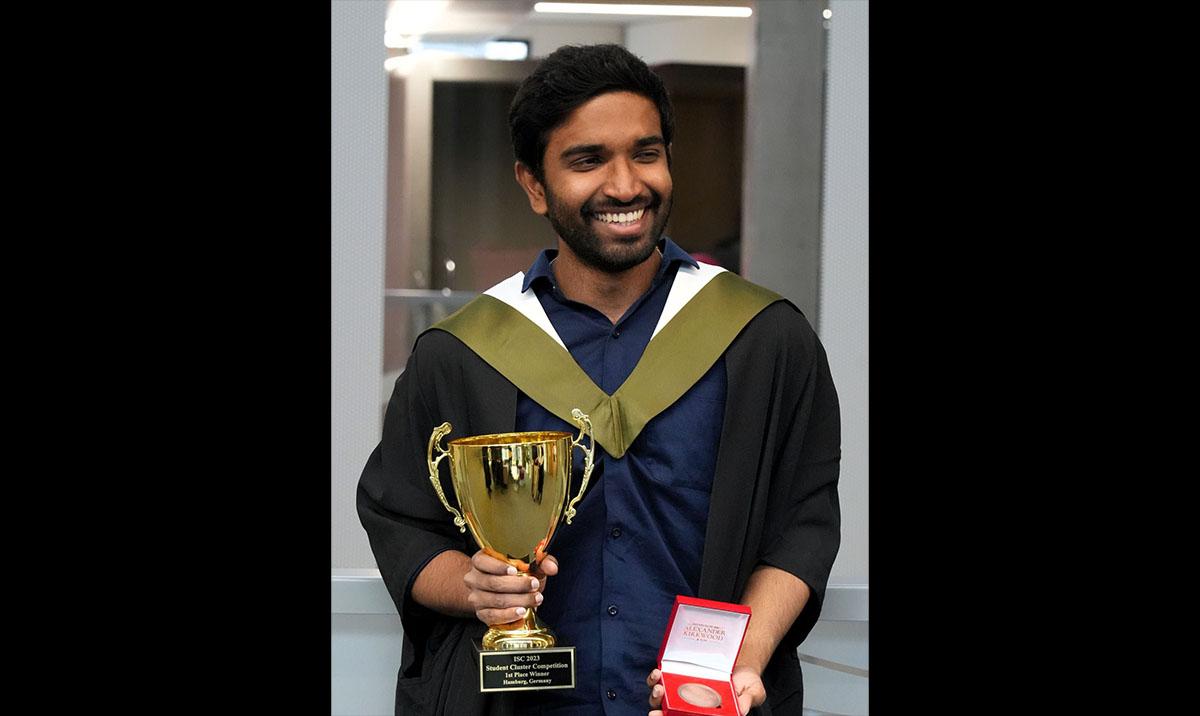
(481, 225)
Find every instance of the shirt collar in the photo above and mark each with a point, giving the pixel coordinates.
(671, 254)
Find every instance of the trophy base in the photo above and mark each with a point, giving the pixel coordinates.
(526, 633)
(527, 669)
(501, 640)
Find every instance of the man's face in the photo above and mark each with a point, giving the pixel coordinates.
(608, 189)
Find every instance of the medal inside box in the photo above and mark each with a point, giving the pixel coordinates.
(700, 647)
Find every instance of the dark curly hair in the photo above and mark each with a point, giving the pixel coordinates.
(569, 77)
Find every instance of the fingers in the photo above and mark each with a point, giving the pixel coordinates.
(656, 694)
(656, 689)
(492, 606)
(502, 585)
(497, 592)
(500, 616)
(488, 564)
(484, 599)
(493, 575)
(547, 567)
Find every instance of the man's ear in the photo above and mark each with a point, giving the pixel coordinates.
(533, 188)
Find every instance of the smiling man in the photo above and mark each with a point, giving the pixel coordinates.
(715, 419)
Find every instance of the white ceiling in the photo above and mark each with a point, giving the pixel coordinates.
(480, 20)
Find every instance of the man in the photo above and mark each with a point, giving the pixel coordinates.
(716, 426)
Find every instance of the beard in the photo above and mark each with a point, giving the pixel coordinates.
(615, 255)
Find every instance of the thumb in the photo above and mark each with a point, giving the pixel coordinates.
(548, 566)
(745, 703)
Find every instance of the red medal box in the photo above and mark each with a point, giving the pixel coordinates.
(699, 649)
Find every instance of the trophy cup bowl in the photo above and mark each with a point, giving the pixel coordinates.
(513, 489)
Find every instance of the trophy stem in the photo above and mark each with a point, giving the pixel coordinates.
(526, 633)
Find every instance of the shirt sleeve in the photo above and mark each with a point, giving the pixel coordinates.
(803, 526)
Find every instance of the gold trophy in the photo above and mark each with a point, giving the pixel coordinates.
(513, 489)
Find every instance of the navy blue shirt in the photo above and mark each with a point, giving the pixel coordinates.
(638, 536)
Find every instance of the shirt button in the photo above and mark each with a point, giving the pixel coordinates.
(611, 694)
(612, 609)
(616, 531)
(616, 334)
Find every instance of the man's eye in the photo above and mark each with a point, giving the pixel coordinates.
(647, 156)
(586, 162)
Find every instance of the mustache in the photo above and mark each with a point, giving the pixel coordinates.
(651, 201)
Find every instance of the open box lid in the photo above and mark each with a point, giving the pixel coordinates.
(703, 637)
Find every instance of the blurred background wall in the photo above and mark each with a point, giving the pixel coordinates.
(358, 169)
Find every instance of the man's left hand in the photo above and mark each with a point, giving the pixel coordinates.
(748, 685)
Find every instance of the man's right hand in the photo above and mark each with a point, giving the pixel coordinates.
(498, 594)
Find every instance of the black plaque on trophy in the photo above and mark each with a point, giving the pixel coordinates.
(527, 669)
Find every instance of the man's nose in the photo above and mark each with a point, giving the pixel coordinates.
(623, 183)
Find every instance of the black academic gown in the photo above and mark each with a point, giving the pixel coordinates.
(774, 497)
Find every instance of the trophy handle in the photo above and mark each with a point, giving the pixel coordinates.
(585, 428)
(438, 433)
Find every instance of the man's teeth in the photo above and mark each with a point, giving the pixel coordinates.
(621, 218)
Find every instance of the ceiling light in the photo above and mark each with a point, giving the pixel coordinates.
(592, 8)
(506, 50)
